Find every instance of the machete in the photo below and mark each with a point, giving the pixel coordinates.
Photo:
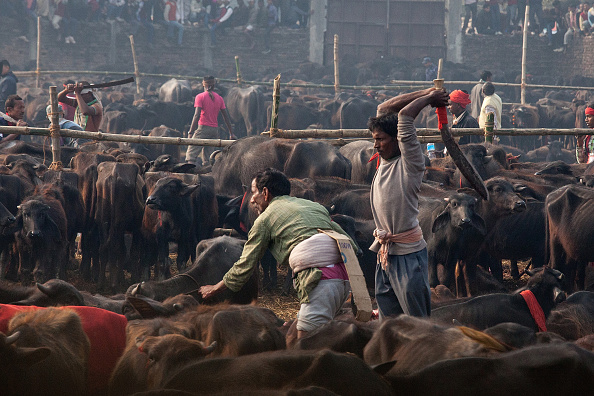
(110, 83)
(457, 155)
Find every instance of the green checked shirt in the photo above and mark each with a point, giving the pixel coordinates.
(285, 222)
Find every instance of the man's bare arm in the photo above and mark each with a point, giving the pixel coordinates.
(227, 120)
(195, 120)
(397, 103)
(435, 98)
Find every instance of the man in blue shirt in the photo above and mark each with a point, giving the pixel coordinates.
(430, 69)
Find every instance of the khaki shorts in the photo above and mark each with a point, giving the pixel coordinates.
(324, 302)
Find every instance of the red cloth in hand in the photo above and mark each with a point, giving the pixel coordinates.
(442, 116)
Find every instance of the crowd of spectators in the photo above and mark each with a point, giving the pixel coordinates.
(559, 24)
(66, 16)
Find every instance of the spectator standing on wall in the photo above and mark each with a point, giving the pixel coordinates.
(512, 16)
(8, 83)
(495, 17)
(251, 23)
(484, 21)
(572, 27)
(470, 6)
(272, 21)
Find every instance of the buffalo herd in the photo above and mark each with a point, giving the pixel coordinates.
(138, 220)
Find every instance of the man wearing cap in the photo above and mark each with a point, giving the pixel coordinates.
(430, 69)
(89, 111)
(459, 99)
(205, 125)
(585, 144)
(64, 124)
(15, 110)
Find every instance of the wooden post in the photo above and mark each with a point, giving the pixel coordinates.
(524, 48)
(136, 73)
(38, 51)
(275, 105)
(336, 68)
(439, 70)
(489, 126)
(238, 71)
(55, 130)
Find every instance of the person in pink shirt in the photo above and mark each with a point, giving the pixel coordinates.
(205, 125)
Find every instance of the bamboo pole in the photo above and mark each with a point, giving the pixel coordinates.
(112, 137)
(336, 67)
(489, 126)
(275, 105)
(524, 50)
(439, 71)
(403, 84)
(55, 130)
(136, 73)
(239, 80)
(366, 134)
(38, 69)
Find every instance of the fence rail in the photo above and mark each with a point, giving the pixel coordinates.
(335, 137)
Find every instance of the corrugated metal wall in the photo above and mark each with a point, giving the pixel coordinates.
(369, 28)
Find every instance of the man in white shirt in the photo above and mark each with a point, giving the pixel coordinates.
(491, 104)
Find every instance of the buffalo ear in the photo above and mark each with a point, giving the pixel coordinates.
(27, 357)
(148, 165)
(183, 168)
(468, 191)
(441, 221)
(478, 223)
(187, 190)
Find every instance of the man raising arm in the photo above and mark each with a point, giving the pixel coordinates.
(401, 280)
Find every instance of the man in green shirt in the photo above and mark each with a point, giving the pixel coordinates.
(289, 227)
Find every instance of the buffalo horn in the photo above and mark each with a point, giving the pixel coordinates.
(13, 337)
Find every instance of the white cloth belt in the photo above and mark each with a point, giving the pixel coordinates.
(317, 251)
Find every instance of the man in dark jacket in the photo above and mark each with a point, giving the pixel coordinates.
(458, 101)
(8, 83)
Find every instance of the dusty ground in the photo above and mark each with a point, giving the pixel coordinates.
(286, 307)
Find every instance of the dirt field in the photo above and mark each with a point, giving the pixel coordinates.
(286, 307)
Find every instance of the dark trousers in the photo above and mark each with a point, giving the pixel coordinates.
(470, 11)
(404, 287)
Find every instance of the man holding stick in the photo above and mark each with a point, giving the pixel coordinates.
(401, 280)
(89, 111)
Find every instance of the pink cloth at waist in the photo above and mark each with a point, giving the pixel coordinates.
(337, 271)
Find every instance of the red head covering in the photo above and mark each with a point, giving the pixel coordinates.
(589, 111)
(463, 99)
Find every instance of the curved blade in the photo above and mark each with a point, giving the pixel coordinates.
(463, 164)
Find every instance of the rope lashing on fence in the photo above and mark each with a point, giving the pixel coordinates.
(54, 132)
